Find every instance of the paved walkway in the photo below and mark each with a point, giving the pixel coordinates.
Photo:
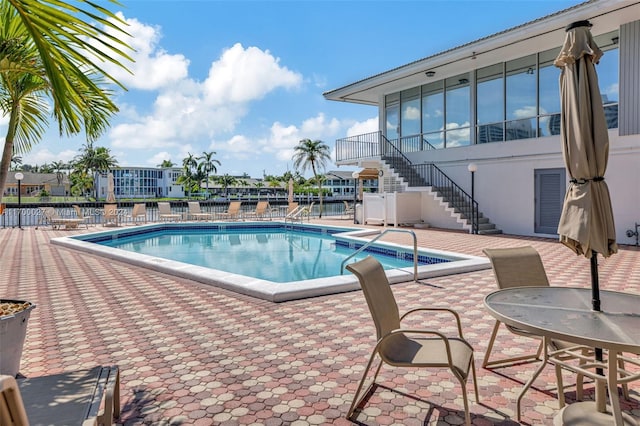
(194, 354)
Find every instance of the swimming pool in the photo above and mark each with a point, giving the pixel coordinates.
(254, 246)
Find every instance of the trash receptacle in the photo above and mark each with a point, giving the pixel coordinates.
(13, 332)
(358, 213)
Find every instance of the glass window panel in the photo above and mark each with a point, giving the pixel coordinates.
(549, 90)
(433, 106)
(549, 125)
(608, 72)
(458, 101)
(521, 88)
(410, 112)
(392, 116)
(491, 133)
(521, 129)
(434, 140)
(457, 137)
(490, 94)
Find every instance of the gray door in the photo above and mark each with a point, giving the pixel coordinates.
(550, 187)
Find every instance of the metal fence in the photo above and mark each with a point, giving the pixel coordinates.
(30, 215)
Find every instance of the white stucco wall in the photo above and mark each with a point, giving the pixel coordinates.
(505, 187)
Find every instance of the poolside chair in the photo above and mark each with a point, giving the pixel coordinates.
(291, 207)
(51, 217)
(413, 347)
(139, 211)
(262, 211)
(111, 217)
(11, 406)
(164, 211)
(80, 215)
(233, 212)
(195, 212)
(349, 210)
(87, 397)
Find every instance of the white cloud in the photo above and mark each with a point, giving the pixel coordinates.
(159, 157)
(525, 112)
(45, 156)
(411, 113)
(243, 75)
(153, 67)
(363, 127)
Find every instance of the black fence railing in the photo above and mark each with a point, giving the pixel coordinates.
(30, 215)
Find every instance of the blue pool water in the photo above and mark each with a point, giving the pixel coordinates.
(268, 260)
(277, 254)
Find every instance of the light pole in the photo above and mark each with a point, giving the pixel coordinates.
(472, 167)
(19, 176)
(355, 176)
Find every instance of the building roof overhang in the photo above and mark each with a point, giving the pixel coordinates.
(605, 15)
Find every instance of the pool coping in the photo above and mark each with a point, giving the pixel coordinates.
(264, 289)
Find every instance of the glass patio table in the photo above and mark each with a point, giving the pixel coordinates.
(565, 313)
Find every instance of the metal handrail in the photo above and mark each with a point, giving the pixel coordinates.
(370, 242)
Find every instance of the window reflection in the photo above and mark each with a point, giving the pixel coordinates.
(518, 99)
(410, 112)
(457, 115)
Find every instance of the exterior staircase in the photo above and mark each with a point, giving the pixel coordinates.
(451, 195)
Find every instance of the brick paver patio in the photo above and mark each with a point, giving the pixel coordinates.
(195, 354)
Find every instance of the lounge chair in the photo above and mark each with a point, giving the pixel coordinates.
(233, 212)
(195, 212)
(111, 216)
(51, 217)
(262, 211)
(87, 397)
(138, 212)
(413, 347)
(349, 210)
(164, 211)
(523, 267)
(80, 215)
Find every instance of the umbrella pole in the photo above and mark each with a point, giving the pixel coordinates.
(595, 284)
(595, 299)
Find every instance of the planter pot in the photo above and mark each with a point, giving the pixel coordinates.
(13, 331)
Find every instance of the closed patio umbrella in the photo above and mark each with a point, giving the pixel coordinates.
(586, 225)
(111, 196)
(290, 197)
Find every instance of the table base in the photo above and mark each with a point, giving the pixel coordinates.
(585, 413)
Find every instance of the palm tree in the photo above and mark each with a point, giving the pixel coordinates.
(166, 164)
(47, 51)
(208, 165)
(16, 160)
(226, 181)
(188, 178)
(313, 154)
(92, 161)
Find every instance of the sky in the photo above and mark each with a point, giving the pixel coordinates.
(245, 78)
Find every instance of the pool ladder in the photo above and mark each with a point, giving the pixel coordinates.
(383, 233)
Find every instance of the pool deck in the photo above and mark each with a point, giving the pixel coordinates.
(194, 354)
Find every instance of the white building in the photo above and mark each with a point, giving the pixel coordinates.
(142, 182)
(495, 102)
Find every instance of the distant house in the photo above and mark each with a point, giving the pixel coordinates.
(33, 184)
(494, 102)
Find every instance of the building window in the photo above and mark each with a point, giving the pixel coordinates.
(490, 104)
(521, 98)
(433, 114)
(518, 99)
(457, 111)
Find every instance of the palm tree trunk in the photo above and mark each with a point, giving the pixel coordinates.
(7, 152)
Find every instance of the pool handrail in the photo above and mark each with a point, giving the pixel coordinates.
(372, 241)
